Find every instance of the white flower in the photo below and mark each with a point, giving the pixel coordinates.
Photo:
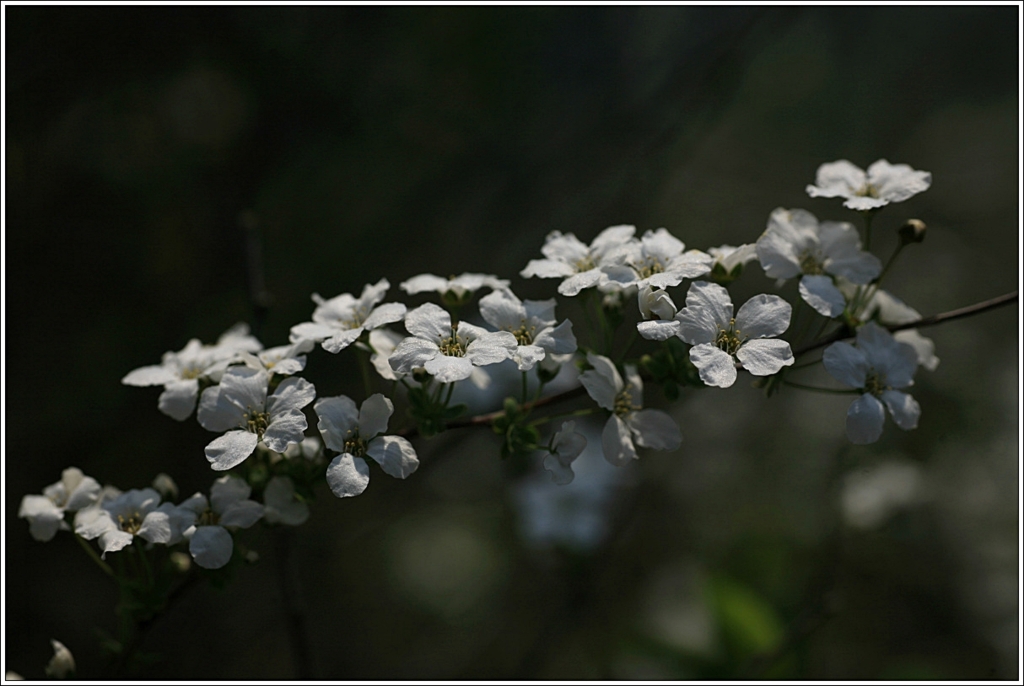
(579, 266)
(532, 322)
(282, 507)
(358, 434)
(62, 664)
(116, 522)
(179, 373)
(707, 323)
(657, 260)
(878, 365)
(209, 540)
(448, 351)
(284, 359)
(794, 244)
(457, 288)
(891, 310)
(338, 322)
(659, 314)
(566, 446)
(45, 513)
(882, 184)
(241, 407)
(650, 428)
(728, 257)
(165, 486)
(309, 448)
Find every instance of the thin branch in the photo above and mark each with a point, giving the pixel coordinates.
(970, 310)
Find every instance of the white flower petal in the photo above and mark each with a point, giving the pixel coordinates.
(904, 409)
(547, 269)
(577, 282)
(394, 454)
(447, 369)
(292, 394)
(155, 527)
(863, 202)
(924, 347)
(281, 507)
(179, 398)
(716, 367)
(341, 339)
(659, 330)
(819, 292)
(713, 299)
(347, 475)
(527, 356)
(285, 428)
(895, 361)
(311, 331)
(411, 353)
(338, 416)
(654, 429)
(864, 420)
(502, 310)
(231, 449)
(789, 234)
(897, 182)
(491, 348)
(617, 442)
(44, 518)
(603, 382)
(558, 340)
(388, 313)
(841, 178)
(153, 375)
(374, 415)
(429, 322)
(846, 364)
(211, 547)
(765, 356)
(242, 514)
(763, 316)
(424, 283)
(228, 490)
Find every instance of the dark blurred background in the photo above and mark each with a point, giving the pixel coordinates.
(369, 142)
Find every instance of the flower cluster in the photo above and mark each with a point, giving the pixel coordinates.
(254, 398)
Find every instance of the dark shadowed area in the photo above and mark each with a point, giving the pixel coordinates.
(149, 149)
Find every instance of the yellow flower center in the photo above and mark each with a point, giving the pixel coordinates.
(624, 403)
(256, 422)
(584, 265)
(811, 264)
(649, 268)
(130, 523)
(875, 384)
(524, 334)
(354, 445)
(729, 339)
(452, 346)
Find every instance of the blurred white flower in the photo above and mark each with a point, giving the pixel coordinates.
(795, 244)
(447, 351)
(45, 513)
(165, 486)
(707, 323)
(532, 322)
(890, 310)
(179, 373)
(209, 540)
(659, 313)
(116, 522)
(566, 446)
(284, 359)
(240, 406)
(657, 260)
(882, 184)
(650, 428)
(576, 263)
(62, 664)
(340, 321)
(357, 434)
(281, 505)
(879, 365)
(871, 497)
(457, 288)
(728, 257)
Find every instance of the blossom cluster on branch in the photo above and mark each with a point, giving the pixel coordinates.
(256, 401)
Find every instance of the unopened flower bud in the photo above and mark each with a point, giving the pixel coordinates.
(165, 486)
(912, 231)
(62, 664)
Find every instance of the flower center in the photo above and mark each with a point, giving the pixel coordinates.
(875, 384)
(354, 445)
(729, 339)
(355, 320)
(524, 334)
(130, 523)
(256, 422)
(584, 265)
(207, 518)
(452, 346)
(651, 267)
(191, 372)
(867, 191)
(624, 403)
(810, 264)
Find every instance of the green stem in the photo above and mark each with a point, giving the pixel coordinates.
(868, 216)
(448, 395)
(364, 368)
(95, 556)
(524, 388)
